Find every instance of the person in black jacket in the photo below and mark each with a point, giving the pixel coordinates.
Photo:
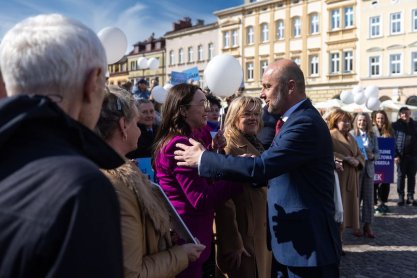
(405, 131)
(148, 128)
(59, 215)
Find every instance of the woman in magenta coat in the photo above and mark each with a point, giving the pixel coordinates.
(195, 198)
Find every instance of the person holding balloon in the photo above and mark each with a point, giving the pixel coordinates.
(195, 198)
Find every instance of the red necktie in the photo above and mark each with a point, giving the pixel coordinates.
(278, 126)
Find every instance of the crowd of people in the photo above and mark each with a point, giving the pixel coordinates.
(255, 188)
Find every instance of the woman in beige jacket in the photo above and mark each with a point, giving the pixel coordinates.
(148, 250)
(346, 150)
(241, 221)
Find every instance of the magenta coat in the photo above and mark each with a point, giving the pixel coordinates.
(195, 198)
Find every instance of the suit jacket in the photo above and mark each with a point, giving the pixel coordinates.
(145, 142)
(299, 166)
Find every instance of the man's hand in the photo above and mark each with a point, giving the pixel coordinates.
(189, 155)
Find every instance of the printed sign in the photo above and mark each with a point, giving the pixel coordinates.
(178, 78)
(384, 166)
(144, 164)
(192, 74)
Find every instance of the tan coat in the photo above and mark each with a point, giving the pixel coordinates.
(241, 221)
(349, 178)
(147, 247)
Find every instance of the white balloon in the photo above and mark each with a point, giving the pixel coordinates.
(373, 103)
(168, 87)
(359, 98)
(357, 89)
(371, 91)
(223, 75)
(346, 97)
(153, 63)
(114, 42)
(159, 94)
(142, 63)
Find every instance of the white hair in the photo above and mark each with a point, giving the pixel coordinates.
(49, 55)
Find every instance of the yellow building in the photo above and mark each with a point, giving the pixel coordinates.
(150, 48)
(118, 73)
(320, 36)
(388, 55)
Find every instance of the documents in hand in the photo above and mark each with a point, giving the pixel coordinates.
(176, 221)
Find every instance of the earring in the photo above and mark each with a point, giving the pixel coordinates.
(124, 136)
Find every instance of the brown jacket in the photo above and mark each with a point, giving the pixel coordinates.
(241, 221)
(349, 178)
(147, 246)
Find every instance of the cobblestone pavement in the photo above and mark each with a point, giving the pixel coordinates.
(393, 253)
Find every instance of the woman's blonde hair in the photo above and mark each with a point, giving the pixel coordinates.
(368, 123)
(117, 103)
(236, 109)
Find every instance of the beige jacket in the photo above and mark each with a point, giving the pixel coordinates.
(147, 246)
(241, 221)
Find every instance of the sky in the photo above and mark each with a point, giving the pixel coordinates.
(137, 18)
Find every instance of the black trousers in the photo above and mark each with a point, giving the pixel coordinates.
(282, 271)
(381, 192)
(407, 168)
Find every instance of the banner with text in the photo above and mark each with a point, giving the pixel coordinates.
(384, 166)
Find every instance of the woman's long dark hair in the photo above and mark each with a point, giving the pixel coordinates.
(173, 122)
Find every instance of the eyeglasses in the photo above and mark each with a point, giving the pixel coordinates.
(206, 104)
(248, 114)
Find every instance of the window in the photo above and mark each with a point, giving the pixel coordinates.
(133, 65)
(190, 54)
(226, 39)
(395, 64)
(171, 57)
(297, 60)
(314, 23)
(395, 23)
(263, 66)
(280, 29)
(250, 35)
(181, 56)
(334, 63)
(374, 26)
(335, 19)
(249, 71)
(374, 66)
(264, 32)
(414, 20)
(296, 27)
(314, 65)
(347, 61)
(210, 51)
(414, 62)
(348, 16)
(234, 38)
(200, 53)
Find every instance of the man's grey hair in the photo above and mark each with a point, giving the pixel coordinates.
(49, 55)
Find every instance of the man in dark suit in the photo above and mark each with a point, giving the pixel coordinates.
(148, 128)
(299, 169)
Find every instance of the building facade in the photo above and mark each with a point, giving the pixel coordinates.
(389, 48)
(149, 48)
(190, 46)
(320, 36)
(118, 72)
